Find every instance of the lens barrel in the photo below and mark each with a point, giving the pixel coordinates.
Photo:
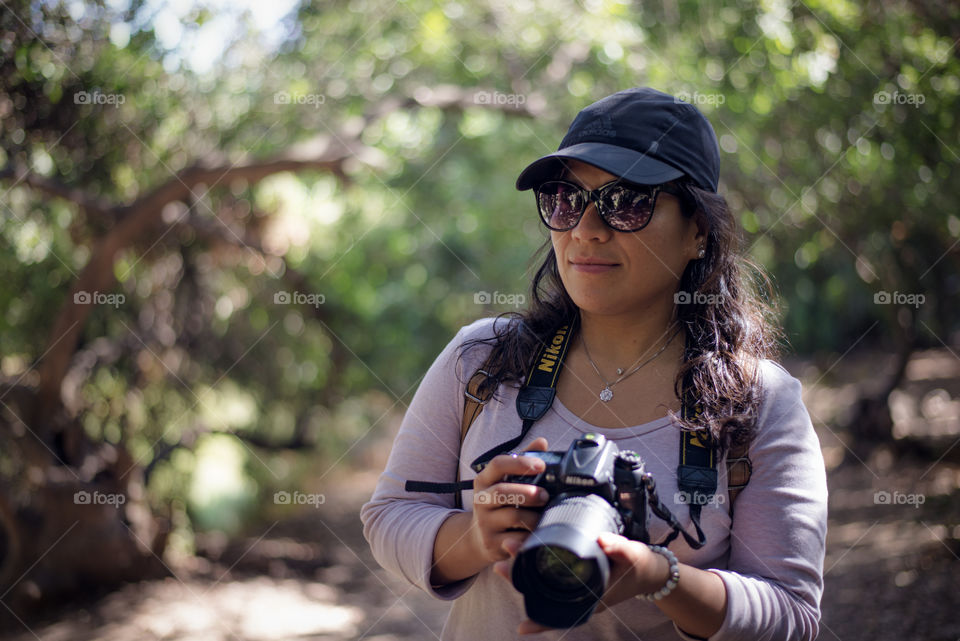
(560, 569)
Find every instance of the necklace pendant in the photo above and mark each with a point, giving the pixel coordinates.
(606, 394)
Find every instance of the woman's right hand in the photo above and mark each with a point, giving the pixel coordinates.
(502, 518)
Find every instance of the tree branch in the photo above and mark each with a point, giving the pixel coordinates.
(92, 205)
(135, 221)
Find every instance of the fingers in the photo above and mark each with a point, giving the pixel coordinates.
(504, 530)
(503, 545)
(631, 564)
(538, 444)
(510, 519)
(504, 513)
(510, 495)
(616, 547)
(507, 465)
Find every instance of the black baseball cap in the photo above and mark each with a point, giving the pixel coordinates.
(642, 135)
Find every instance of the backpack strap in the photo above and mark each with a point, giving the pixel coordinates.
(474, 402)
(739, 469)
(472, 406)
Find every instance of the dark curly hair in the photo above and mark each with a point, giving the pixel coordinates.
(729, 326)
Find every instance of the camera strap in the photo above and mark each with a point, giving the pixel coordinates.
(538, 391)
(697, 471)
(533, 400)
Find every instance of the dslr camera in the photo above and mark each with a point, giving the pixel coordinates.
(594, 487)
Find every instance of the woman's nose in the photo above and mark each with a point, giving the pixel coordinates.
(591, 226)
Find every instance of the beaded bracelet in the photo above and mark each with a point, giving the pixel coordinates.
(671, 581)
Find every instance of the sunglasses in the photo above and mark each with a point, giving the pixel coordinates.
(622, 206)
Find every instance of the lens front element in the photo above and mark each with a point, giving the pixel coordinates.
(563, 570)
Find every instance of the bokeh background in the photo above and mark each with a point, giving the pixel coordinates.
(233, 237)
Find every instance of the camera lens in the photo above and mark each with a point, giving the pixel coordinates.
(562, 569)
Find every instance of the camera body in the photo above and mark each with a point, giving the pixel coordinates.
(594, 487)
(594, 465)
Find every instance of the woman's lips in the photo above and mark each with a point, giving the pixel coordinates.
(592, 265)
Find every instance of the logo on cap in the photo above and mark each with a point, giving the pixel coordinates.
(602, 126)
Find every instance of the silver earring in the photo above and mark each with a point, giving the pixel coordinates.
(701, 252)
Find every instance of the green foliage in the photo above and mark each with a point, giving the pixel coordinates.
(841, 194)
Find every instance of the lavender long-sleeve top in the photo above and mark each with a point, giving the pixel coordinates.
(770, 557)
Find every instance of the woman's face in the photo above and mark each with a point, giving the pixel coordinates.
(610, 272)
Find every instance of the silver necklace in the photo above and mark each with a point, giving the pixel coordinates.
(606, 394)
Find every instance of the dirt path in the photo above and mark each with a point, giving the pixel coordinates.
(310, 579)
(892, 574)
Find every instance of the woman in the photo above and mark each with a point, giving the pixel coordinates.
(642, 264)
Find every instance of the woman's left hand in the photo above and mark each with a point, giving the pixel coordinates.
(634, 569)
